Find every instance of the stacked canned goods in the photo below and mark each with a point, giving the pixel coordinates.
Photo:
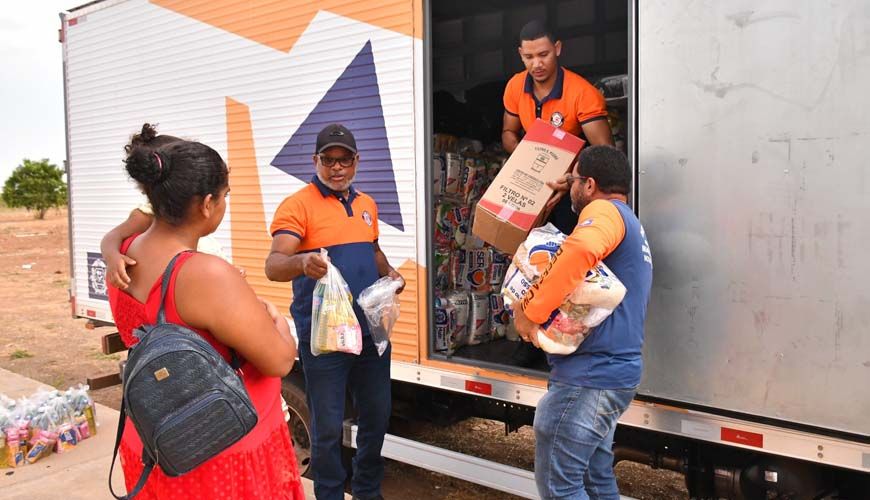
(469, 308)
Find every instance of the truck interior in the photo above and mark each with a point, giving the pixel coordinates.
(471, 53)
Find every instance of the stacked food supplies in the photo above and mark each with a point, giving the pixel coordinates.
(591, 302)
(469, 308)
(32, 428)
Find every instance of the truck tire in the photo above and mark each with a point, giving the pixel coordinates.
(299, 425)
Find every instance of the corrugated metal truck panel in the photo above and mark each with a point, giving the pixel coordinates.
(752, 154)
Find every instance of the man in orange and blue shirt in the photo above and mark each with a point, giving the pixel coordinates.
(330, 213)
(589, 389)
(555, 95)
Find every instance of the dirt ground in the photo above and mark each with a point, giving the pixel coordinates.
(39, 339)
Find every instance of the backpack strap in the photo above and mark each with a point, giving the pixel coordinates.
(149, 465)
(164, 286)
(236, 361)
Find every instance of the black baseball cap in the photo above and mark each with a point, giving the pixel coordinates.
(335, 135)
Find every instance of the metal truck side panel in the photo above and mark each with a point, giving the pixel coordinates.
(753, 135)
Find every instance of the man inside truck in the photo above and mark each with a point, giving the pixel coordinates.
(565, 100)
(329, 213)
(590, 388)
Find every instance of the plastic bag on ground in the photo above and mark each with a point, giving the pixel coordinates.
(334, 326)
(380, 303)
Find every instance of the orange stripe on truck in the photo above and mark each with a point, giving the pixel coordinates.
(250, 237)
(280, 23)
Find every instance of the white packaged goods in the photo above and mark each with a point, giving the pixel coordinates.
(445, 321)
(461, 303)
(478, 324)
(537, 251)
(583, 309)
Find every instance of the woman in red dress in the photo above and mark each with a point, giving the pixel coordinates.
(187, 184)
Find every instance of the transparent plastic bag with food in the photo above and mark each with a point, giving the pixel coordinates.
(380, 303)
(334, 326)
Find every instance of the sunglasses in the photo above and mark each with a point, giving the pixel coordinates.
(344, 161)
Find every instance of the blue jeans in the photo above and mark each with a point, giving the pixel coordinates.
(574, 429)
(327, 378)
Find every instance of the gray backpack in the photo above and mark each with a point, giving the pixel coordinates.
(185, 401)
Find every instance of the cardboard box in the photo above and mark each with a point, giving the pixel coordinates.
(514, 203)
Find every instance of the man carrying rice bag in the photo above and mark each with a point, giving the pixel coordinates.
(590, 388)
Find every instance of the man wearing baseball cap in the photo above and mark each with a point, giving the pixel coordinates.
(329, 213)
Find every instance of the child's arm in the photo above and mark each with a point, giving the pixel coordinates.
(110, 246)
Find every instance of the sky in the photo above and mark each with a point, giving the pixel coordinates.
(31, 88)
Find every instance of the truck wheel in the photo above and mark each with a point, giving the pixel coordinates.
(299, 425)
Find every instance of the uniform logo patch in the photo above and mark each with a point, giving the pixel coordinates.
(556, 119)
(367, 217)
(587, 222)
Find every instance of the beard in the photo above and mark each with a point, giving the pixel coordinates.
(578, 203)
(338, 187)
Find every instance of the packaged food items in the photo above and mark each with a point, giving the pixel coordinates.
(515, 286)
(15, 449)
(444, 231)
(445, 321)
(452, 173)
(474, 179)
(437, 174)
(460, 221)
(30, 427)
(442, 270)
(458, 268)
(41, 447)
(334, 326)
(67, 438)
(586, 307)
(380, 303)
(478, 271)
(461, 303)
(500, 263)
(499, 319)
(478, 323)
(534, 255)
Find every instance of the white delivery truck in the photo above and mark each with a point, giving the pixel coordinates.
(745, 122)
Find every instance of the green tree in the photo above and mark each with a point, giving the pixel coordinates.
(35, 185)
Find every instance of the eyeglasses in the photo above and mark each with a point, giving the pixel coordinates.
(344, 161)
(570, 178)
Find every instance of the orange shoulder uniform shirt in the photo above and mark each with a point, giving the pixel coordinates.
(572, 103)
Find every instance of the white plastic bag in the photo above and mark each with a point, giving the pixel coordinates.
(380, 303)
(583, 309)
(334, 326)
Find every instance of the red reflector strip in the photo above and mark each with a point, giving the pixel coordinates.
(742, 437)
(73, 22)
(91, 313)
(478, 387)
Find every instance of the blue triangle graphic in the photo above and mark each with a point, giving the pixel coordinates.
(354, 101)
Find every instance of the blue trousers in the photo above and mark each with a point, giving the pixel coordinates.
(327, 378)
(574, 428)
